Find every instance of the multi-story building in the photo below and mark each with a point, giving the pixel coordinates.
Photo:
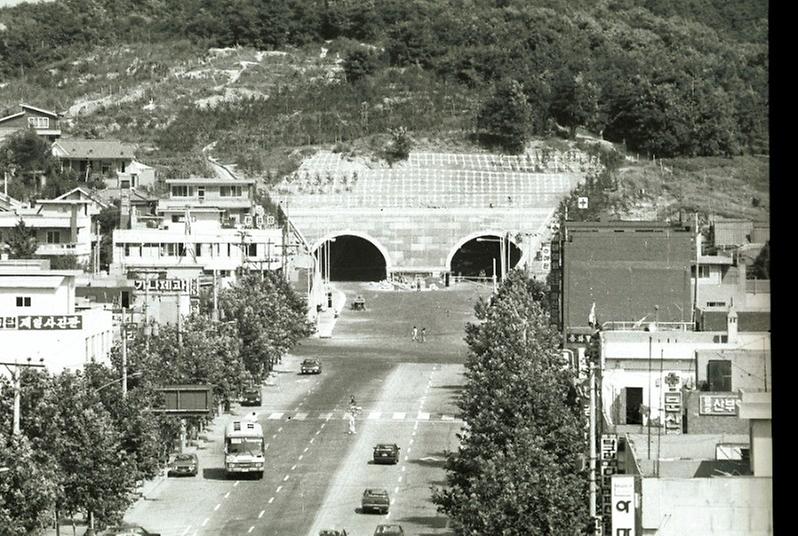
(44, 122)
(40, 318)
(94, 158)
(228, 202)
(61, 226)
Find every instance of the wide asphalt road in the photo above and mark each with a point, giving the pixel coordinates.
(316, 471)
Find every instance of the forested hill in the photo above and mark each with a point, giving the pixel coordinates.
(667, 78)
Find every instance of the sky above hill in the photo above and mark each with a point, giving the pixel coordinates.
(7, 3)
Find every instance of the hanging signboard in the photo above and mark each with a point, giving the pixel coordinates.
(158, 286)
(44, 322)
(717, 405)
(623, 505)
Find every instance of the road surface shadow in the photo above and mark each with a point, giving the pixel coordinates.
(214, 473)
(455, 387)
(432, 522)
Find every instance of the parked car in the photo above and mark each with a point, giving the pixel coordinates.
(128, 530)
(252, 397)
(341, 532)
(389, 530)
(375, 500)
(311, 366)
(386, 453)
(184, 464)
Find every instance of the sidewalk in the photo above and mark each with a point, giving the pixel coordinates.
(328, 317)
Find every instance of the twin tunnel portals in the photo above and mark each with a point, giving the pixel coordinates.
(348, 257)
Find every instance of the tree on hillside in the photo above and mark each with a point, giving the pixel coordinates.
(574, 101)
(27, 488)
(359, 64)
(516, 471)
(22, 241)
(503, 119)
(760, 269)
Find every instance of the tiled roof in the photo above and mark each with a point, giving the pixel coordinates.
(93, 149)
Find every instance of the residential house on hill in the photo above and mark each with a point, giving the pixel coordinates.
(45, 122)
(94, 158)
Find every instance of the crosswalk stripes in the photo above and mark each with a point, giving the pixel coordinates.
(422, 416)
(374, 415)
(300, 416)
(275, 416)
(398, 416)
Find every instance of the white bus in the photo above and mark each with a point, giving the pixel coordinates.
(243, 448)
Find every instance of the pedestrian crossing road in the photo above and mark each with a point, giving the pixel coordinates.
(343, 415)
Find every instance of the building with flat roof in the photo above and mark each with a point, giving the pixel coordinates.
(41, 319)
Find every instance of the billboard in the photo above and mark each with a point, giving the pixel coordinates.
(187, 400)
(623, 505)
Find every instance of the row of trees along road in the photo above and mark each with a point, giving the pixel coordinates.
(518, 469)
(83, 447)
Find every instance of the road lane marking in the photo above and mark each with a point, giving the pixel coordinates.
(217, 507)
(251, 529)
(312, 438)
(237, 481)
(301, 456)
(306, 449)
(411, 441)
(275, 435)
(403, 468)
(396, 489)
(400, 479)
(226, 495)
(186, 531)
(422, 416)
(260, 515)
(399, 416)
(286, 478)
(275, 416)
(406, 457)
(317, 433)
(447, 418)
(323, 425)
(205, 522)
(293, 467)
(278, 489)
(325, 416)
(414, 433)
(280, 429)
(270, 501)
(267, 446)
(374, 415)
(300, 416)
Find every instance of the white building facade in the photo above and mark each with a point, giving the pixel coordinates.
(40, 320)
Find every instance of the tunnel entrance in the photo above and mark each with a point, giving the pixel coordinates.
(476, 257)
(351, 258)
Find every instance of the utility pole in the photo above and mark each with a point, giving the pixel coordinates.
(592, 478)
(216, 297)
(494, 274)
(124, 353)
(648, 418)
(697, 270)
(17, 379)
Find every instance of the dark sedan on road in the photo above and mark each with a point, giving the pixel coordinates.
(252, 397)
(375, 500)
(184, 464)
(389, 530)
(311, 366)
(333, 533)
(128, 530)
(386, 453)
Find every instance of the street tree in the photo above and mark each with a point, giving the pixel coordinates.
(270, 318)
(27, 487)
(525, 428)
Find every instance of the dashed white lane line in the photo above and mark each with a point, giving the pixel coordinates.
(398, 416)
(300, 416)
(278, 489)
(318, 432)
(374, 415)
(306, 449)
(400, 479)
(275, 416)
(326, 416)
(311, 439)
(414, 433)
(403, 468)
(237, 481)
(286, 478)
(293, 467)
(396, 489)
(217, 507)
(260, 515)
(251, 529)
(411, 442)
(447, 418)
(323, 425)
(280, 429)
(186, 531)
(275, 435)
(264, 448)
(422, 416)
(270, 501)
(226, 495)
(406, 457)
(205, 522)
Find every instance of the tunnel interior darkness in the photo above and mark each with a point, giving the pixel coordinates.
(352, 259)
(475, 257)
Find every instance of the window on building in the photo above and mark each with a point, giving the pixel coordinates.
(719, 375)
(176, 218)
(181, 191)
(230, 191)
(252, 250)
(39, 122)
(201, 192)
(53, 237)
(23, 301)
(198, 250)
(703, 271)
(124, 184)
(105, 168)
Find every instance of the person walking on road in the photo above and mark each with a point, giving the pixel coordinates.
(414, 338)
(423, 334)
(352, 421)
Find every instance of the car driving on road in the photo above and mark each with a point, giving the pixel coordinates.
(389, 530)
(184, 464)
(311, 366)
(128, 530)
(333, 533)
(375, 500)
(386, 453)
(252, 397)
